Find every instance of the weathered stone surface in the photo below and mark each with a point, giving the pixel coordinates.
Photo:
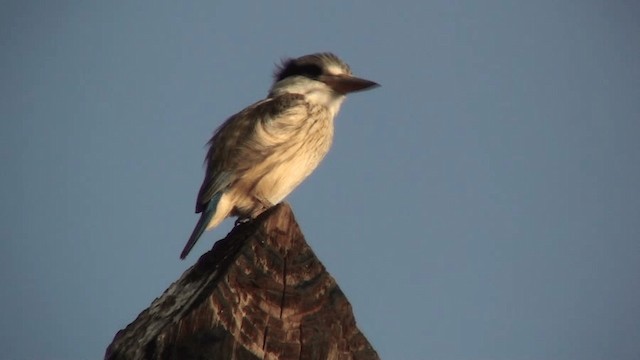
(260, 293)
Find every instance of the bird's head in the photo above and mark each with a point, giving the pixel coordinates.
(323, 78)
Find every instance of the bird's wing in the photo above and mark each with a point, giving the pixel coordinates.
(245, 139)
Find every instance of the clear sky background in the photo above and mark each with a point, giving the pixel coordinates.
(484, 203)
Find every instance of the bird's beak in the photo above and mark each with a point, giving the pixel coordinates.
(345, 84)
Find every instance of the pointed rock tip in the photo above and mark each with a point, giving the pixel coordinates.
(279, 211)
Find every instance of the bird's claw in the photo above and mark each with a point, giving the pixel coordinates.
(242, 220)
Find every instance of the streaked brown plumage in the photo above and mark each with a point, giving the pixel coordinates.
(259, 155)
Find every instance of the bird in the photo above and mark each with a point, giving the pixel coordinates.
(261, 154)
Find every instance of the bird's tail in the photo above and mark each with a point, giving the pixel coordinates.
(204, 220)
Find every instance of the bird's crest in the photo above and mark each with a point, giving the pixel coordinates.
(311, 66)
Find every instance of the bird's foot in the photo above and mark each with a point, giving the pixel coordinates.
(242, 220)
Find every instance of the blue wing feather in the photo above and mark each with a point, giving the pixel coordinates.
(215, 182)
(205, 217)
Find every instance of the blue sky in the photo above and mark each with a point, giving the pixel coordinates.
(482, 204)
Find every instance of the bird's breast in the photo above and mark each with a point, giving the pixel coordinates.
(295, 153)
